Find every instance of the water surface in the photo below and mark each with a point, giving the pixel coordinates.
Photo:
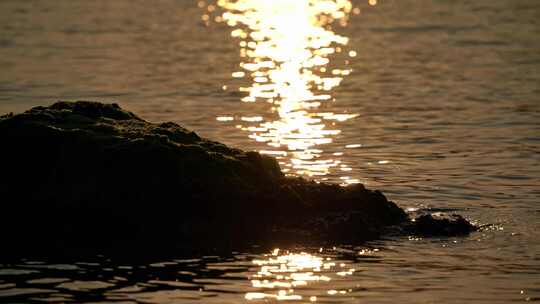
(436, 103)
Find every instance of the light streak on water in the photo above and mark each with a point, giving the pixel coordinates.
(286, 48)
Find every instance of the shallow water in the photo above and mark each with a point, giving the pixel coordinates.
(438, 106)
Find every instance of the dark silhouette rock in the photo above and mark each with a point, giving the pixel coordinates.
(88, 173)
(440, 224)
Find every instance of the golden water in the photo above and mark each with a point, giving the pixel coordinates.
(285, 50)
(436, 103)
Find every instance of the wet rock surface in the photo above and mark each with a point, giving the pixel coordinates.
(440, 224)
(87, 173)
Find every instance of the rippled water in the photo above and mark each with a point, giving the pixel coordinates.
(436, 103)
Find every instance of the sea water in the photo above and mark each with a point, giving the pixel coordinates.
(436, 103)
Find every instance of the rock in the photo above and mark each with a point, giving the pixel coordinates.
(92, 174)
(440, 224)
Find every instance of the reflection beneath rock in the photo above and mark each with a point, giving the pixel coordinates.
(281, 272)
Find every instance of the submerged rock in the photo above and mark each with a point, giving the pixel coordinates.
(441, 224)
(93, 173)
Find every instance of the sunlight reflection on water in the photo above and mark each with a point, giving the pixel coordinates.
(285, 50)
(282, 271)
